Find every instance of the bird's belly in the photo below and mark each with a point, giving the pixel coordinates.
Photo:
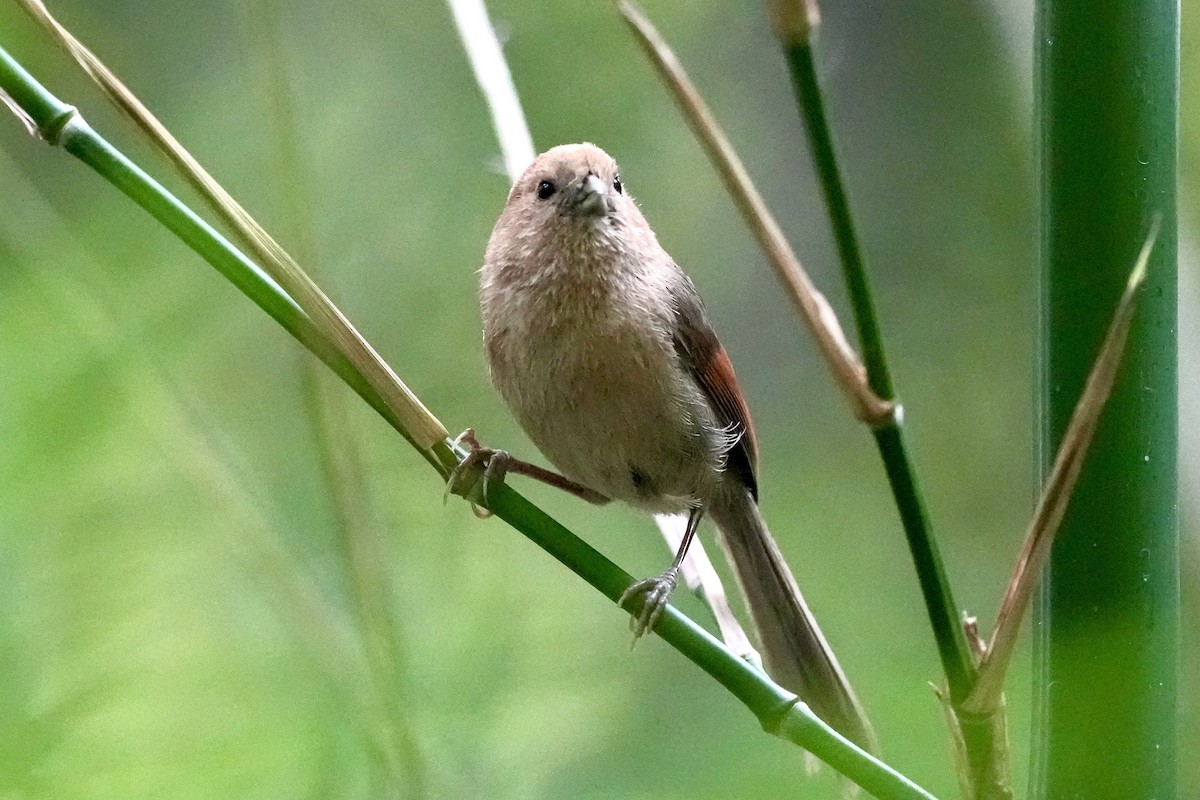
(617, 418)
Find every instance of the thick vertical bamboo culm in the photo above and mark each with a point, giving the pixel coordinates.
(1107, 639)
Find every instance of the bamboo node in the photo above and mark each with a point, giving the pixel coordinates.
(795, 20)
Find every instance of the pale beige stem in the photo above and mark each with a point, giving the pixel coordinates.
(516, 146)
(701, 577)
(409, 415)
(495, 81)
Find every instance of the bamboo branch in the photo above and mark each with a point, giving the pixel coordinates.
(983, 752)
(796, 25)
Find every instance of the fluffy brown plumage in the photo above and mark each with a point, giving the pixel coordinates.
(600, 345)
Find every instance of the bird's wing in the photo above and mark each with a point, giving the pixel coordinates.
(703, 356)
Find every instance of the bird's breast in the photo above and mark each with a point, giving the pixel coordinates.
(597, 385)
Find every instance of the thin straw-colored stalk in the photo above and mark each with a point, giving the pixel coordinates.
(777, 709)
(495, 81)
(701, 577)
(516, 145)
(410, 418)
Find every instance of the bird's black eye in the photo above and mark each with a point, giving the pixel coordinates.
(617, 184)
(544, 190)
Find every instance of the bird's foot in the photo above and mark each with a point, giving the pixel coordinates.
(495, 466)
(655, 593)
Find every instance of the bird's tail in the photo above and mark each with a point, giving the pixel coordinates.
(794, 650)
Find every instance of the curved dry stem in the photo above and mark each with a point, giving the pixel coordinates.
(844, 364)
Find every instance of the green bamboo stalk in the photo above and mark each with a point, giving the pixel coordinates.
(982, 743)
(944, 614)
(778, 710)
(1107, 98)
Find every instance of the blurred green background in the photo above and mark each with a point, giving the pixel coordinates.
(177, 614)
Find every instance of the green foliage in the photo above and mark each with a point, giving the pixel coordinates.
(175, 614)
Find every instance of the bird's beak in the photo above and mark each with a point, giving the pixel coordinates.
(592, 197)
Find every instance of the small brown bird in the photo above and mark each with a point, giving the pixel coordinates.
(601, 346)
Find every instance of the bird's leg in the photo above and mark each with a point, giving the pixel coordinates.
(657, 590)
(498, 463)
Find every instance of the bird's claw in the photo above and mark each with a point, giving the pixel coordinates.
(495, 466)
(656, 592)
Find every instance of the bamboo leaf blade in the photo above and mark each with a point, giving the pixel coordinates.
(986, 696)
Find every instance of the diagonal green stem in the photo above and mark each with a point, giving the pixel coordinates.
(931, 574)
(777, 709)
(812, 108)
